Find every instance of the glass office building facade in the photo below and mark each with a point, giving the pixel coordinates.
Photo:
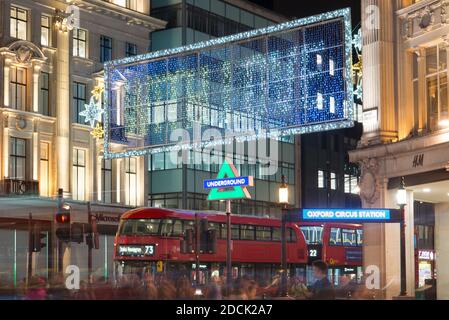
(174, 185)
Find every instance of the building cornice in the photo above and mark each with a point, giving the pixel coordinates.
(432, 140)
(113, 10)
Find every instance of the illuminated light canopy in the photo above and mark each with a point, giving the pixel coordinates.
(271, 82)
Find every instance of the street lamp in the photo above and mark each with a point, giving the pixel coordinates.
(283, 200)
(401, 199)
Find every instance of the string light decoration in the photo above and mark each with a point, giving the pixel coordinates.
(283, 80)
(357, 67)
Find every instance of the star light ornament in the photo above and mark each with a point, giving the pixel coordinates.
(98, 131)
(92, 112)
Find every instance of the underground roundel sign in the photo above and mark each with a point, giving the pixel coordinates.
(228, 185)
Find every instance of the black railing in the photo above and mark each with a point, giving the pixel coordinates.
(20, 187)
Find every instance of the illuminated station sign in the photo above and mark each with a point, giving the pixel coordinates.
(351, 215)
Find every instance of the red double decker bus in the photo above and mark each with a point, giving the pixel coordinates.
(338, 244)
(153, 240)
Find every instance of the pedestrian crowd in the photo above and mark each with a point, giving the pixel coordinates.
(148, 287)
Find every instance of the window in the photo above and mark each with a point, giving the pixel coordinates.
(320, 101)
(351, 184)
(18, 88)
(247, 232)
(44, 94)
(276, 235)
(321, 182)
(349, 237)
(291, 235)
(166, 227)
(157, 161)
(106, 181)
(360, 237)
(79, 174)
(78, 101)
(131, 181)
(45, 31)
(17, 159)
(80, 43)
(44, 170)
(312, 234)
(105, 49)
(18, 23)
(331, 67)
(416, 93)
(436, 80)
(235, 235)
(263, 233)
(335, 237)
(131, 49)
(333, 181)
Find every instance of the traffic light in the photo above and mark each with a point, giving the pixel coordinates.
(212, 237)
(187, 243)
(203, 230)
(37, 239)
(63, 223)
(77, 232)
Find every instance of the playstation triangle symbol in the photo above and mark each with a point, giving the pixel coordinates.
(228, 170)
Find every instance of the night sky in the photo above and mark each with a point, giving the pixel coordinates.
(304, 8)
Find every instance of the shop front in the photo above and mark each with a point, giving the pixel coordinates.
(423, 164)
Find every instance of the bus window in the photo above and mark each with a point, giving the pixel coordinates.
(276, 236)
(335, 237)
(263, 233)
(349, 237)
(126, 227)
(246, 232)
(291, 235)
(166, 227)
(223, 231)
(235, 232)
(313, 234)
(359, 237)
(177, 228)
(147, 226)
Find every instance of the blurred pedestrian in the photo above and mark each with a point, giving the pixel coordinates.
(214, 288)
(252, 289)
(37, 289)
(166, 290)
(184, 289)
(322, 289)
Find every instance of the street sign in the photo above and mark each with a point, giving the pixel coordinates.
(228, 185)
(347, 215)
(229, 182)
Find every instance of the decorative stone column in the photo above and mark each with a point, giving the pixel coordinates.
(6, 73)
(63, 112)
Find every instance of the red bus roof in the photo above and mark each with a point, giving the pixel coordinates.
(213, 216)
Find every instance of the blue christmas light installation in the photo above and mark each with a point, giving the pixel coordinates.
(283, 80)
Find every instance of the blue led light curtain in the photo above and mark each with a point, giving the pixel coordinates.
(287, 79)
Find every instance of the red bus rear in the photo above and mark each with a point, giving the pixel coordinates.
(148, 236)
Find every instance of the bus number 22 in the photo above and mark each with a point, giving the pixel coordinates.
(313, 253)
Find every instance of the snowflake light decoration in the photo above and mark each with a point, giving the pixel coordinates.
(92, 112)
